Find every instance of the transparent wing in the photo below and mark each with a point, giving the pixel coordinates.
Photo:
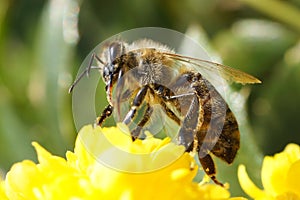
(208, 69)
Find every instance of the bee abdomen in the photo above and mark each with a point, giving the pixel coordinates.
(219, 131)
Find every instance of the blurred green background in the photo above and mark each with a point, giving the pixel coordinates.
(42, 44)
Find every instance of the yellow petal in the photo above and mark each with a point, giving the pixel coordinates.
(248, 186)
(274, 172)
(293, 178)
(280, 176)
(293, 152)
(275, 169)
(47, 159)
(22, 179)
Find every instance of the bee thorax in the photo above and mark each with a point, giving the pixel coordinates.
(149, 71)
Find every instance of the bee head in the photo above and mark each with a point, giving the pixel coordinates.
(110, 69)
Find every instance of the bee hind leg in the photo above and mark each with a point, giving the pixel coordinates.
(209, 167)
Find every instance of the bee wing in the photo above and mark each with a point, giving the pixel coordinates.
(207, 68)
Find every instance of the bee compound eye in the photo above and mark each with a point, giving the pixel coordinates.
(116, 49)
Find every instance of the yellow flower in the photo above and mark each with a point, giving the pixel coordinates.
(84, 174)
(280, 176)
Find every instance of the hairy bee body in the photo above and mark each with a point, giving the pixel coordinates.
(146, 73)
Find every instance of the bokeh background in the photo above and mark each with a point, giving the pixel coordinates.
(42, 44)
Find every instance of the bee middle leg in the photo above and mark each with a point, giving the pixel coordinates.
(161, 101)
(136, 132)
(139, 98)
(137, 101)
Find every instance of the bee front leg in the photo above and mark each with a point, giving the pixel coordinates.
(105, 114)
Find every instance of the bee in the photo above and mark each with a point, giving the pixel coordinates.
(146, 72)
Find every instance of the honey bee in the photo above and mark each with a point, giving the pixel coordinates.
(146, 72)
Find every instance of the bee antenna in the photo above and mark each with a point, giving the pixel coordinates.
(87, 70)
